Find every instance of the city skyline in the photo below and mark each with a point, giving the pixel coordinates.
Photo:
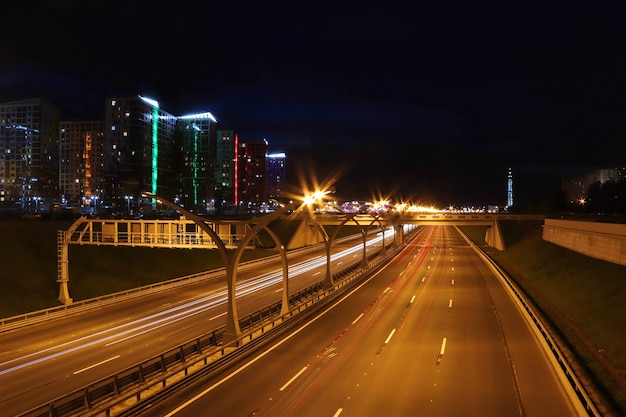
(106, 166)
(427, 102)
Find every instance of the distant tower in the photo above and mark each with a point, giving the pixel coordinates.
(509, 193)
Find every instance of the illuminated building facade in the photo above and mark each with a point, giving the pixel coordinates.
(106, 165)
(196, 138)
(81, 171)
(252, 175)
(275, 174)
(29, 154)
(226, 170)
(139, 152)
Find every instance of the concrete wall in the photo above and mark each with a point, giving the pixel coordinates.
(606, 241)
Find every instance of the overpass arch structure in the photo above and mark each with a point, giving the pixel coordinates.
(312, 228)
(493, 234)
(231, 238)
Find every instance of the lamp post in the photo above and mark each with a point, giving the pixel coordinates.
(128, 199)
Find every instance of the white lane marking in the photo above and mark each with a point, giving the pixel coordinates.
(293, 378)
(96, 364)
(412, 299)
(339, 410)
(450, 304)
(441, 351)
(218, 316)
(390, 336)
(357, 319)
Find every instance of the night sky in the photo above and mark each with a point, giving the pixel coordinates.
(429, 102)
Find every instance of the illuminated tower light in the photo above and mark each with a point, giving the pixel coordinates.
(509, 193)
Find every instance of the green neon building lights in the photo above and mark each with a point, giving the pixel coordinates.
(195, 165)
(155, 142)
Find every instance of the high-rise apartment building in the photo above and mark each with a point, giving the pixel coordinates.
(81, 171)
(29, 158)
(275, 174)
(138, 147)
(252, 174)
(139, 151)
(226, 170)
(196, 138)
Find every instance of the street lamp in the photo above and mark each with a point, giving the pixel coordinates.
(128, 199)
(316, 197)
(95, 204)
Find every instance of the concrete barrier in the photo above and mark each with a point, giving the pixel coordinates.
(606, 241)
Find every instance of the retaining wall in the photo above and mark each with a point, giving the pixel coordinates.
(606, 241)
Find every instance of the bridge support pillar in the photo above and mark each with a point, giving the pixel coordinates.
(232, 331)
(398, 235)
(63, 271)
(493, 236)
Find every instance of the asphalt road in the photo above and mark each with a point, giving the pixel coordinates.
(44, 362)
(433, 334)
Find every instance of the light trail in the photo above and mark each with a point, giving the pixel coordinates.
(172, 315)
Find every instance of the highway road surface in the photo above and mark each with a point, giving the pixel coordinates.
(433, 334)
(44, 362)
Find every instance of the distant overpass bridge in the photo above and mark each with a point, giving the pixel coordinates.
(232, 237)
(493, 235)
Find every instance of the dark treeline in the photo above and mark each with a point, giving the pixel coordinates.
(608, 197)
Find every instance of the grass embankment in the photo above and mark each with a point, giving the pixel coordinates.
(581, 296)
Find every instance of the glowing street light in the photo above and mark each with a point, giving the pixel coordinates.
(128, 200)
(317, 196)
